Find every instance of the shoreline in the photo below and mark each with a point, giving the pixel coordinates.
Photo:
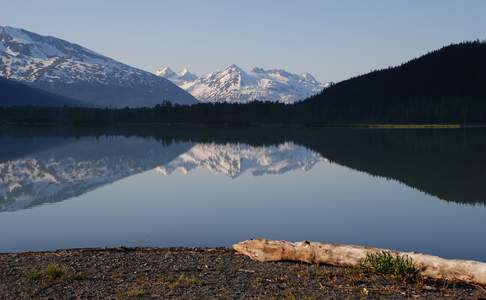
(191, 273)
(249, 125)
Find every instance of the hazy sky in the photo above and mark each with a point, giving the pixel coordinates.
(331, 39)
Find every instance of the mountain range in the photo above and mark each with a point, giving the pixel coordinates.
(64, 168)
(67, 167)
(235, 85)
(446, 86)
(73, 71)
(70, 70)
(236, 159)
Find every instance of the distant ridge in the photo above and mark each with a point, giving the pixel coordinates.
(13, 93)
(235, 85)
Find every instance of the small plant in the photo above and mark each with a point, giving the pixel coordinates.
(54, 272)
(34, 274)
(134, 293)
(386, 263)
(322, 273)
(182, 280)
(292, 284)
(187, 280)
(364, 292)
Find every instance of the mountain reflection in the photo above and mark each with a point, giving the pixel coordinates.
(71, 167)
(236, 159)
(47, 166)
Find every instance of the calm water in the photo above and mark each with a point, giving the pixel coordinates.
(422, 190)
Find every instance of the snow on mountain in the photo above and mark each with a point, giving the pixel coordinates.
(236, 159)
(178, 78)
(236, 85)
(71, 167)
(185, 75)
(71, 70)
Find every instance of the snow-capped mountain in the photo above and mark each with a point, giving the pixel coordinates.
(68, 69)
(236, 159)
(68, 167)
(236, 85)
(177, 78)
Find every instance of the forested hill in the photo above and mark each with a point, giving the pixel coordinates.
(446, 85)
(14, 93)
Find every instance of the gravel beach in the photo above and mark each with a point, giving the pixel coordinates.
(193, 273)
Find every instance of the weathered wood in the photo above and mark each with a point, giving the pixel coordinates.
(350, 255)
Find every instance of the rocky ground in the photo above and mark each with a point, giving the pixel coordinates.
(126, 273)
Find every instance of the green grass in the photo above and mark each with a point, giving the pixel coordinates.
(386, 263)
(134, 293)
(54, 273)
(34, 274)
(182, 280)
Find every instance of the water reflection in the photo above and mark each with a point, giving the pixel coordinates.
(50, 166)
(235, 159)
(62, 168)
(176, 186)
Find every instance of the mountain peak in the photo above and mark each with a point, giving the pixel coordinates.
(308, 76)
(165, 72)
(257, 70)
(235, 68)
(10, 28)
(235, 85)
(184, 72)
(185, 75)
(177, 78)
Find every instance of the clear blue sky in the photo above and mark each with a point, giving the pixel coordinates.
(332, 39)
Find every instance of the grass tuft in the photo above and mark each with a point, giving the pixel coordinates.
(54, 272)
(34, 274)
(134, 293)
(395, 265)
(182, 280)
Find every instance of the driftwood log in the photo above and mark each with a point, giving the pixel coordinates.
(350, 255)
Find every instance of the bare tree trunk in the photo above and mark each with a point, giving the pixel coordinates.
(350, 255)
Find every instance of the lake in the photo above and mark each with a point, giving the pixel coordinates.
(412, 190)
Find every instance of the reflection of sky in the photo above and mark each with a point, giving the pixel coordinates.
(329, 203)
